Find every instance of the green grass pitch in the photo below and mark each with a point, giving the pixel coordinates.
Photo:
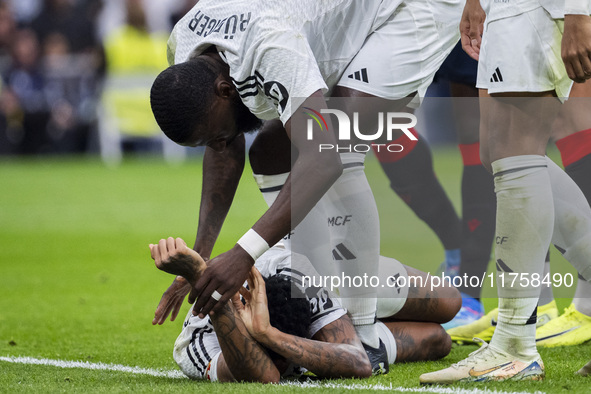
(77, 282)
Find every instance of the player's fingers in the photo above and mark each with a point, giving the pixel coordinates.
(222, 291)
(209, 303)
(176, 309)
(236, 302)
(570, 69)
(245, 293)
(250, 281)
(586, 64)
(204, 288)
(163, 250)
(170, 245)
(192, 296)
(260, 282)
(578, 69)
(467, 47)
(223, 301)
(152, 251)
(180, 244)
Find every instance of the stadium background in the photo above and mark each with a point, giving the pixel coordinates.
(87, 183)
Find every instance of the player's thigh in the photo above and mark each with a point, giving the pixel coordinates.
(419, 341)
(466, 112)
(524, 78)
(516, 123)
(574, 114)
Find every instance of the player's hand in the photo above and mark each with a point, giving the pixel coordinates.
(224, 275)
(175, 257)
(255, 313)
(172, 300)
(576, 47)
(471, 28)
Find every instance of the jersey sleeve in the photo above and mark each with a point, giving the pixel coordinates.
(287, 72)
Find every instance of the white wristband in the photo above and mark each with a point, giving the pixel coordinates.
(576, 7)
(253, 244)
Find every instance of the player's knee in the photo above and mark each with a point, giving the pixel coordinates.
(450, 302)
(441, 343)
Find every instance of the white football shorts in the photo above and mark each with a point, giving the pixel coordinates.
(521, 53)
(403, 54)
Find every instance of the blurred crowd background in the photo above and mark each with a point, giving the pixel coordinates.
(75, 74)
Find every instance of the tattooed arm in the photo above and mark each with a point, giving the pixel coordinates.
(334, 352)
(242, 359)
(342, 355)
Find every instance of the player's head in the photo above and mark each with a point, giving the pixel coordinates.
(196, 104)
(289, 309)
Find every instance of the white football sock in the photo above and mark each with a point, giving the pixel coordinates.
(516, 327)
(353, 222)
(582, 299)
(572, 220)
(525, 217)
(311, 237)
(547, 293)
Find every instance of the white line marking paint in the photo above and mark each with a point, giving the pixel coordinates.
(381, 387)
(95, 366)
(174, 374)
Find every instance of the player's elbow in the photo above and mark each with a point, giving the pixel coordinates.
(362, 366)
(330, 167)
(271, 377)
(268, 377)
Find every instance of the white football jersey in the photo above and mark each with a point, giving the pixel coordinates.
(279, 52)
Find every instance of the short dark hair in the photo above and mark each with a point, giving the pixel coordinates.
(180, 97)
(289, 309)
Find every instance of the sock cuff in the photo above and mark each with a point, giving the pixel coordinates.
(267, 183)
(516, 163)
(470, 154)
(384, 156)
(574, 147)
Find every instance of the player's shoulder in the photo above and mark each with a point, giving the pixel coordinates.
(223, 24)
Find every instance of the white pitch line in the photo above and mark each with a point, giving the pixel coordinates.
(381, 387)
(96, 366)
(174, 374)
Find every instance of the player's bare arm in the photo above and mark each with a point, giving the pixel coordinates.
(343, 356)
(221, 175)
(175, 257)
(576, 47)
(172, 300)
(243, 358)
(471, 28)
(312, 175)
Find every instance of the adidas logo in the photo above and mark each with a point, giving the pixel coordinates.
(360, 75)
(340, 252)
(497, 76)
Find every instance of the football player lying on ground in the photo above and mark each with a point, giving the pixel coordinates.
(262, 340)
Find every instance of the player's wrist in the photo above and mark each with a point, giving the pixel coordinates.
(268, 336)
(253, 244)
